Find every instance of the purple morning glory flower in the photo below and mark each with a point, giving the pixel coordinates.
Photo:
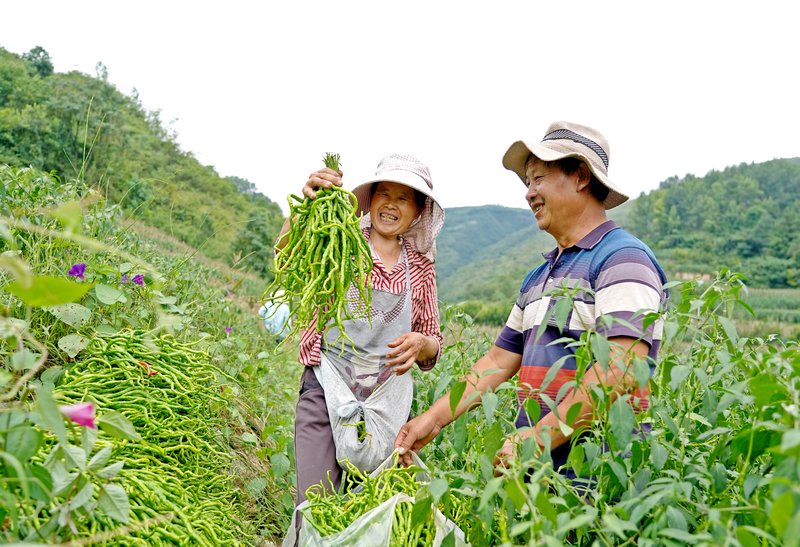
(228, 330)
(124, 278)
(138, 279)
(77, 270)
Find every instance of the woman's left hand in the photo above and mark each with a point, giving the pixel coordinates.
(406, 351)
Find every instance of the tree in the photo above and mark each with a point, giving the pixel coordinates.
(40, 61)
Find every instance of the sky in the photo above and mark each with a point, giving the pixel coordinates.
(262, 90)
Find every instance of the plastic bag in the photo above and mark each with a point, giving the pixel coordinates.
(373, 528)
(384, 412)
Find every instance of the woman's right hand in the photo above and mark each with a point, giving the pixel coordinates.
(324, 178)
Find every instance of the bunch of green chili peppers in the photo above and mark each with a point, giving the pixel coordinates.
(178, 474)
(332, 513)
(318, 259)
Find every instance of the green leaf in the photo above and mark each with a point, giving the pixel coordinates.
(11, 326)
(118, 426)
(72, 344)
(438, 487)
(23, 359)
(109, 295)
(515, 493)
(490, 490)
(619, 472)
(106, 329)
(729, 328)
(575, 523)
(256, 486)
(658, 455)
(51, 418)
(561, 311)
(790, 442)
(73, 314)
(618, 526)
(23, 442)
(449, 540)
(533, 409)
(782, 510)
(52, 375)
(622, 422)
(48, 291)
(601, 350)
(572, 413)
(489, 404)
(493, 439)
(680, 535)
(17, 268)
(74, 457)
(678, 375)
(748, 536)
(14, 467)
(459, 434)
(455, 395)
(111, 471)
(279, 464)
(114, 502)
(520, 528)
(421, 511)
(545, 507)
(41, 483)
(70, 215)
(249, 438)
(83, 497)
(100, 459)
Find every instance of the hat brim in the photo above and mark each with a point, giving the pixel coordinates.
(517, 155)
(406, 178)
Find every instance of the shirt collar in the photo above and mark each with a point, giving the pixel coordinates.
(588, 242)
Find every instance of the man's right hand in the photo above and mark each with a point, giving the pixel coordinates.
(415, 434)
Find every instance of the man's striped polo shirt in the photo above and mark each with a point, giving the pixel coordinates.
(620, 278)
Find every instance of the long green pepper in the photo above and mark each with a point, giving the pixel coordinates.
(324, 254)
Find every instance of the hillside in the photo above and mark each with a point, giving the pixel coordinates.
(75, 125)
(744, 218)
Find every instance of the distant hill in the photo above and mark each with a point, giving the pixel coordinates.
(484, 252)
(745, 218)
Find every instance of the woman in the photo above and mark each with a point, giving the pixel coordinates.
(401, 222)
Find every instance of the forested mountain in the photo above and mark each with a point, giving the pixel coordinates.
(80, 126)
(744, 218)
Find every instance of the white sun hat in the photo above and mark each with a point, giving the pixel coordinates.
(411, 172)
(563, 140)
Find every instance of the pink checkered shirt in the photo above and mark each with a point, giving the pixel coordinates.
(424, 305)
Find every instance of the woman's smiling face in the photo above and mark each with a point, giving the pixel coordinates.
(393, 208)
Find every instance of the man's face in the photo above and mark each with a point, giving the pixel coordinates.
(551, 195)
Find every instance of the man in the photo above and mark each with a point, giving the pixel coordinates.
(614, 279)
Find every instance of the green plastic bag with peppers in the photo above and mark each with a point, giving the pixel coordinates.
(377, 512)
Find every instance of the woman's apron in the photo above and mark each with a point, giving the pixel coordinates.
(358, 385)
